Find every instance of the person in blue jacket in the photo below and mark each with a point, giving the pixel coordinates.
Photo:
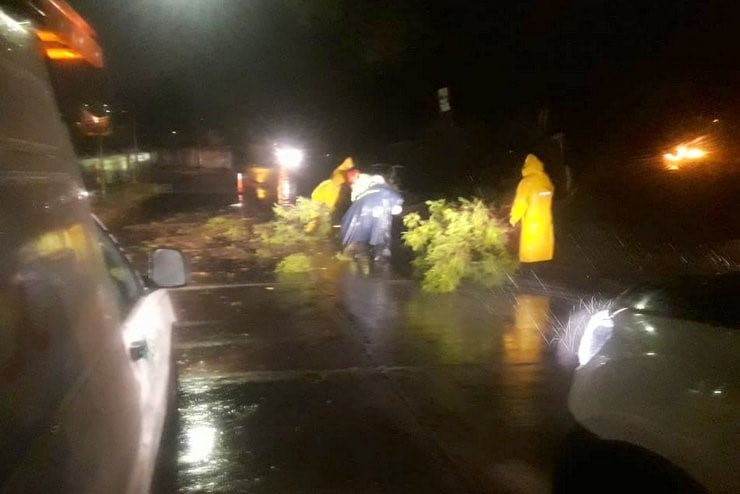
(366, 226)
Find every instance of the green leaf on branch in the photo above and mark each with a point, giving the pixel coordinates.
(299, 229)
(460, 240)
(295, 264)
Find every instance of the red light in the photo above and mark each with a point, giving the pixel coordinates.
(65, 35)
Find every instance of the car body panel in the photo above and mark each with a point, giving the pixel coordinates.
(151, 321)
(76, 413)
(669, 386)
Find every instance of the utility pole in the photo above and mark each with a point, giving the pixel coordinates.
(136, 134)
(99, 168)
(135, 175)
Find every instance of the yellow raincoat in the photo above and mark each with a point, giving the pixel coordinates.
(328, 191)
(533, 205)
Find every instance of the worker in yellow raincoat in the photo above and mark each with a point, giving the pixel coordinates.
(533, 206)
(329, 190)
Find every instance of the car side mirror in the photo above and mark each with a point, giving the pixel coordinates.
(168, 268)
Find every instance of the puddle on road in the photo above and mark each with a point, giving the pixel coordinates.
(525, 339)
(206, 459)
(300, 435)
(399, 322)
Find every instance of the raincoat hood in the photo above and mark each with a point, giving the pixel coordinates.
(346, 164)
(338, 176)
(532, 165)
(329, 190)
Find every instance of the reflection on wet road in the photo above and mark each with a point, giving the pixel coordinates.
(366, 385)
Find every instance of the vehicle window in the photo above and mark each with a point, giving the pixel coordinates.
(126, 281)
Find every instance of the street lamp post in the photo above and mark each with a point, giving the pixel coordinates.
(97, 126)
(133, 167)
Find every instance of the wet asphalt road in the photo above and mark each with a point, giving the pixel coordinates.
(364, 385)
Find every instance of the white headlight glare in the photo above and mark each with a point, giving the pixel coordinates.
(597, 332)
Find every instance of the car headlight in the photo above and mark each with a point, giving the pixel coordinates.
(597, 332)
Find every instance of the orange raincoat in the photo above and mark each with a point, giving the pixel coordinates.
(533, 205)
(328, 191)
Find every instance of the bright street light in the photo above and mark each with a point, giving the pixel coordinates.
(686, 152)
(289, 158)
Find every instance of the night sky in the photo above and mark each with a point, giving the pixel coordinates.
(346, 74)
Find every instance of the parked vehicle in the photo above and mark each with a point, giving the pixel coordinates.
(85, 342)
(657, 394)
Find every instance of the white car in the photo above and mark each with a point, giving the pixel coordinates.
(85, 342)
(656, 395)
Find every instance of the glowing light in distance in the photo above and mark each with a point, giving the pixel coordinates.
(289, 157)
(684, 152)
